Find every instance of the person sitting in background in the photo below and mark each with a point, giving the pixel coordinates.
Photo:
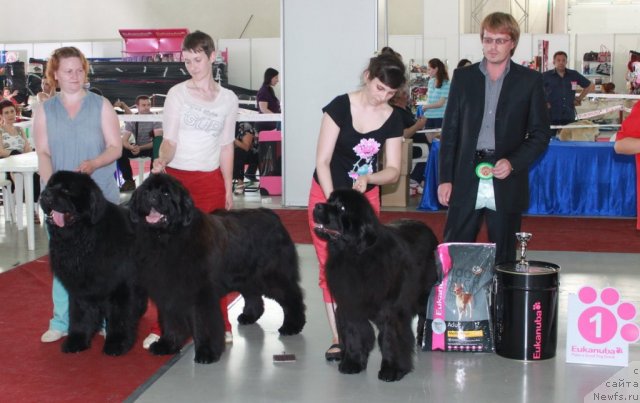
(14, 141)
(9, 96)
(560, 86)
(266, 99)
(48, 90)
(253, 159)
(243, 154)
(464, 63)
(143, 132)
(609, 88)
(400, 102)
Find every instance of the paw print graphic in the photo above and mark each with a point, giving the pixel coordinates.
(601, 321)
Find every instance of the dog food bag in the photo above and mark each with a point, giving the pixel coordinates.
(458, 310)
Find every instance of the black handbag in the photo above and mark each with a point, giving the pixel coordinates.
(590, 57)
(604, 69)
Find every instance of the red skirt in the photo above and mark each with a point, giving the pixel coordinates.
(206, 188)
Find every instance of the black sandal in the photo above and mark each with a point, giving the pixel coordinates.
(334, 356)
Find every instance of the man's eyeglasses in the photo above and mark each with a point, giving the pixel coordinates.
(499, 41)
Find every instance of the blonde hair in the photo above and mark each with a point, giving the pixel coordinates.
(502, 23)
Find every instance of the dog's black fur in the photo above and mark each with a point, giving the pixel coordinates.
(378, 273)
(90, 253)
(189, 260)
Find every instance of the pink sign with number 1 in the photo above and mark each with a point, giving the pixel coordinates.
(600, 327)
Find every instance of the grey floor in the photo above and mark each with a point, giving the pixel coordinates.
(247, 373)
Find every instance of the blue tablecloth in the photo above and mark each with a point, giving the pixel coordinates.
(570, 178)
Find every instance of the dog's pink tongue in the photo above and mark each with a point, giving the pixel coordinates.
(153, 216)
(58, 218)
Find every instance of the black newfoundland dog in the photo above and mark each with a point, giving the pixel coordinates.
(188, 260)
(378, 273)
(90, 252)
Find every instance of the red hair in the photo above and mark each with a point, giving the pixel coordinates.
(53, 64)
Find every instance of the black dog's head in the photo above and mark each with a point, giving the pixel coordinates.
(72, 197)
(347, 216)
(162, 202)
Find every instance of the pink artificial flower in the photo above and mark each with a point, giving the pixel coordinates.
(367, 148)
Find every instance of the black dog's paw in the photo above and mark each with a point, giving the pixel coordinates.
(420, 330)
(348, 366)
(390, 373)
(163, 347)
(289, 329)
(206, 355)
(75, 343)
(245, 319)
(419, 338)
(116, 345)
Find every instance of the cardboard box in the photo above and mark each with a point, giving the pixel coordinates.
(407, 153)
(397, 194)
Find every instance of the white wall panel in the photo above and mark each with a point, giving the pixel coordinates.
(591, 19)
(441, 30)
(326, 47)
(108, 49)
(239, 54)
(525, 50)
(43, 50)
(85, 47)
(409, 46)
(265, 52)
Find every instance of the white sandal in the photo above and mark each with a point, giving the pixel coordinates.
(239, 188)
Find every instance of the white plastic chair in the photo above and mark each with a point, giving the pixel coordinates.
(424, 154)
(7, 200)
(141, 162)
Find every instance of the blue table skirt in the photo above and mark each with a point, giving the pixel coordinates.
(570, 178)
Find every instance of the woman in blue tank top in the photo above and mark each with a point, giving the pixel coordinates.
(75, 130)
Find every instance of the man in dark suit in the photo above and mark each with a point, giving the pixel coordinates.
(496, 124)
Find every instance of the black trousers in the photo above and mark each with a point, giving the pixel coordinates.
(125, 166)
(463, 225)
(36, 181)
(242, 158)
(36, 185)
